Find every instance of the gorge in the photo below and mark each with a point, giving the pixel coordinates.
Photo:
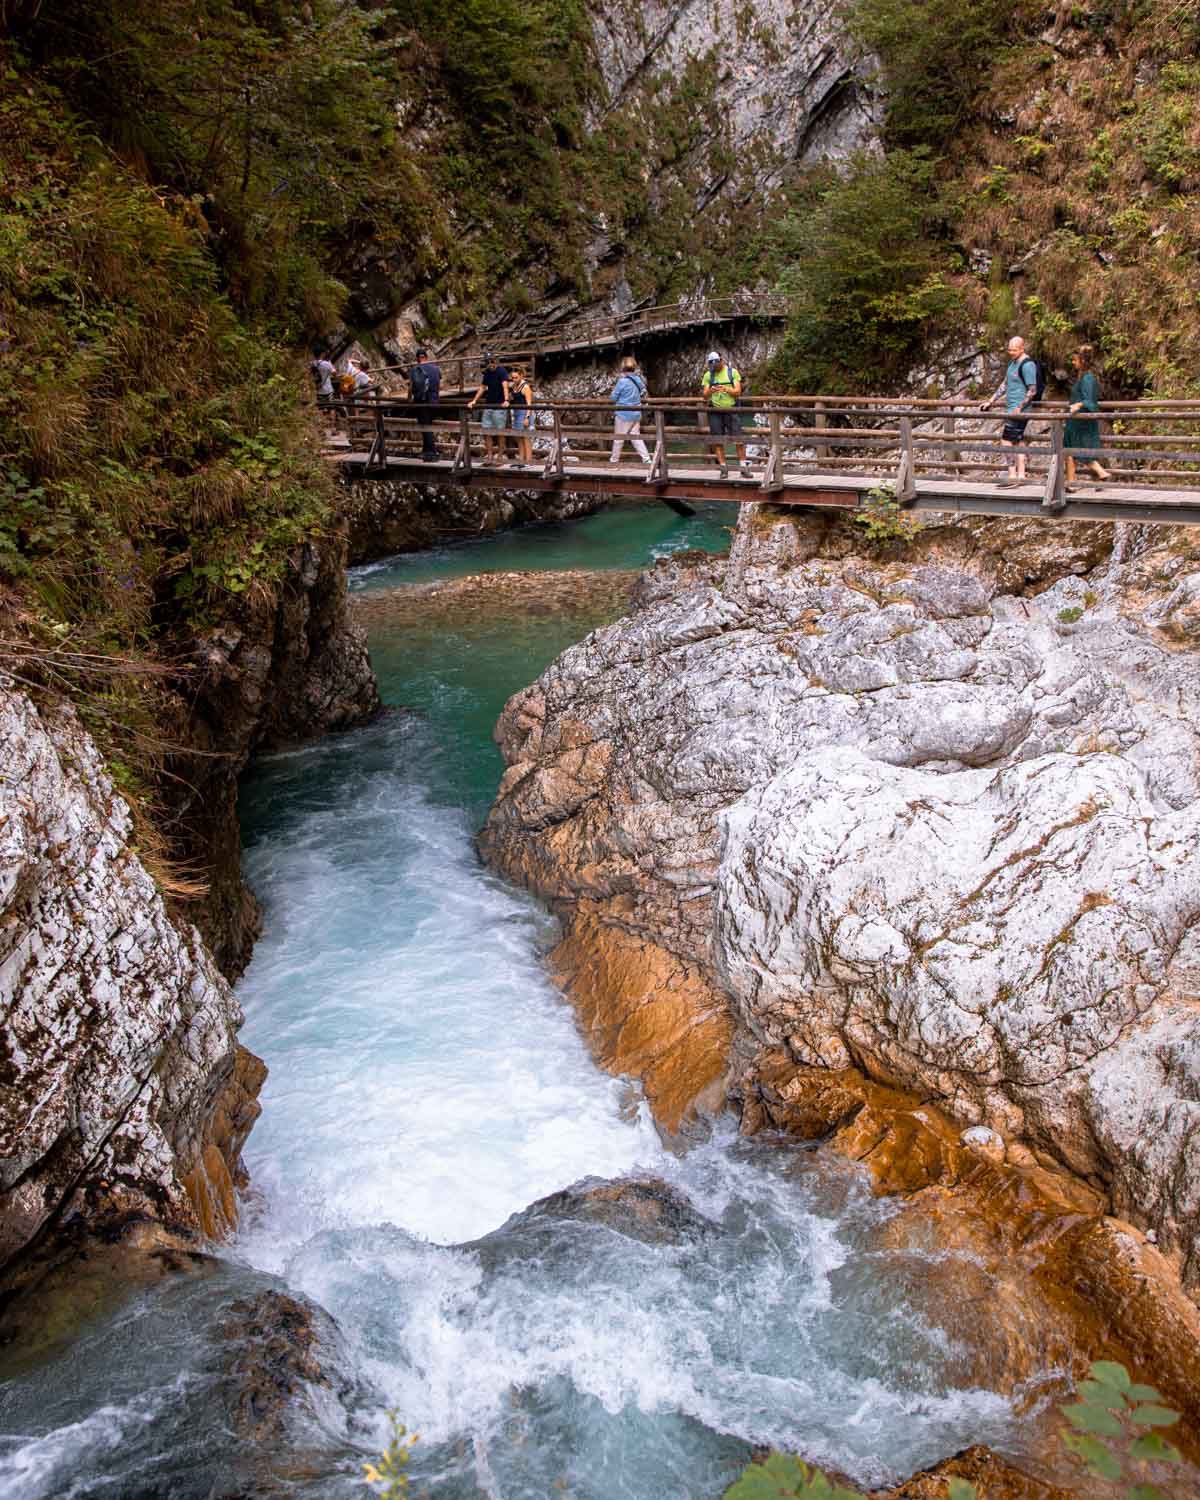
(782, 1035)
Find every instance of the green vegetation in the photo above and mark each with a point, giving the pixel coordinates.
(391, 1471)
(883, 518)
(870, 272)
(1046, 185)
(934, 57)
(1112, 1430)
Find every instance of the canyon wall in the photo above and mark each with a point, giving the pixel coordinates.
(125, 1087)
(892, 817)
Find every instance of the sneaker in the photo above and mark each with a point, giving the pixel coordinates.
(1008, 484)
(746, 473)
(722, 473)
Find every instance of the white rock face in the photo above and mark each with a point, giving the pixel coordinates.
(786, 85)
(119, 1034)
(905, 823)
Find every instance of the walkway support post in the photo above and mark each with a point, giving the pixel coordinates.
(461, 468)
(906, 478)
(659, 474)
(1055, 496)
(772, 480)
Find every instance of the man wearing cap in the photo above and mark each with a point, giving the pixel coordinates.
(493, 388)
(424, 391)
(721, 387)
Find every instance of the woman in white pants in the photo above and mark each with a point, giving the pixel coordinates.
(627, 396)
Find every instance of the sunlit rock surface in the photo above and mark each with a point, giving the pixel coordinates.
(123, 1080)
(904, 821)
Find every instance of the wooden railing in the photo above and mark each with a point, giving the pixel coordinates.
(1147, 446)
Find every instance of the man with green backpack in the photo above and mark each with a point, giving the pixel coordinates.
(721, 387)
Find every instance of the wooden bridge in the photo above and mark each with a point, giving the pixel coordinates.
(460, 361)
(851, 453)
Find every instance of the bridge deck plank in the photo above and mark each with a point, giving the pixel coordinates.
(739, 490)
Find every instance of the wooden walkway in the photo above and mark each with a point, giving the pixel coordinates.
(806, 451)
(582, 335)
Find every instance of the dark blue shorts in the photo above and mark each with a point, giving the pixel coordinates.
(726, 422)
(1014, 429)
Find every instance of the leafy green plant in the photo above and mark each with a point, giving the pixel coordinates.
(1115, 1429)
(883, 518)
(1069, 615)
(782, 1477)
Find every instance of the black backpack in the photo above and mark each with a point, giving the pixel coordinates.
(1039, 379)
(420, 384)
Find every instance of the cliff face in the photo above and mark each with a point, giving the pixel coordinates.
(901, 820)
(125, 1087)
(280, 668)
(386, 516)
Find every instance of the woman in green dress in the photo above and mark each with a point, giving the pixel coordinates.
(1084, 432)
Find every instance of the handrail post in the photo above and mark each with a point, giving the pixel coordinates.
(1054, 497)
(377, 458)
(772, 480)
(553, 468)
(820, 450)
(906, 476)
(462, 459)
(659, 473)
(951, 451)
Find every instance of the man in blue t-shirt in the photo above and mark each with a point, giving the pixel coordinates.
(493, 389)
(1018, 388)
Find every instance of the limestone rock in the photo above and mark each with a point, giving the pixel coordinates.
(124, 1081)
(903, 822)
(644, 1208)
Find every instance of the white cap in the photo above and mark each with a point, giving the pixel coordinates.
(712, 354)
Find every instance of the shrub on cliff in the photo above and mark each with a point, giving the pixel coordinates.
(934, 57)
(870, 274)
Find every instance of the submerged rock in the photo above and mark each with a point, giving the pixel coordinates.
(645, 1208)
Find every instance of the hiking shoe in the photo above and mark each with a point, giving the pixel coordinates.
(723, 473)
(746, 473)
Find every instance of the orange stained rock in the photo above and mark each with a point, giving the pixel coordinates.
(1065, 1279)
(646, 1013)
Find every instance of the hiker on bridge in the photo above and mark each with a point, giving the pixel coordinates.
(323, 371)
(425, 391)
(520, 405)
(493, 389)
(721, 387)
(627, 397)
(1021, 388)
(1083, 432)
